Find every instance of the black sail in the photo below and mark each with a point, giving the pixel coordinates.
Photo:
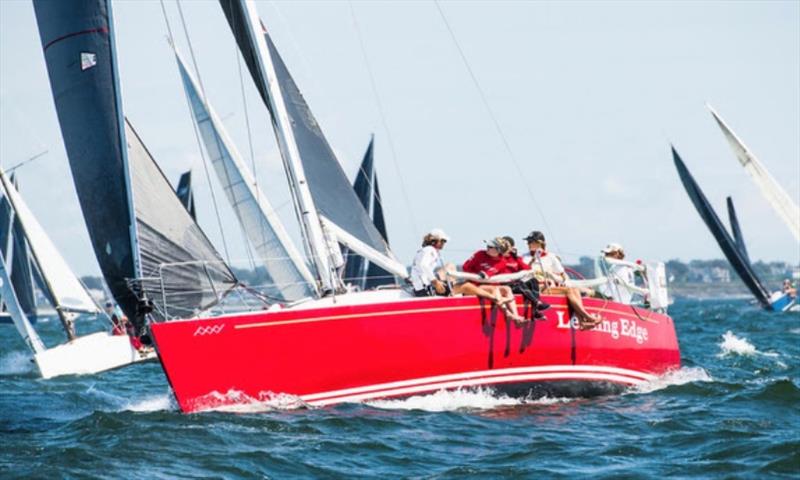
(78, 43)
(330, 188)
(737, 231)
(131, 244)
(359, 271)
(721, 235)
(15, 246)
(186, 194)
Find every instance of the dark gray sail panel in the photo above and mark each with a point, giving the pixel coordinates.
(15, 247)
(330, 188)
(186, 194)
(332, 192)
(721, 235)
(77, 40)
(737, 231)
(358, 270)
(175, 253)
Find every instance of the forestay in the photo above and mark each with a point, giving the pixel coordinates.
(263, 227)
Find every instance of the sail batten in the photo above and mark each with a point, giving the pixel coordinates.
(258, 219)
(777, 197)
(721, 235)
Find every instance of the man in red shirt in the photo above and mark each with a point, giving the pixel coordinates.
(529, 289)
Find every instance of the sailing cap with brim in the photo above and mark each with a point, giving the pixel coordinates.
(439, 233)
(535, 236)
(613, 247)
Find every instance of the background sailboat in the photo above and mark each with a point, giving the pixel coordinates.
(186, 194)
(79, 355)
(733, 247)
(359, 271)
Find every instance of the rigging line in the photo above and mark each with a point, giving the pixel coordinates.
(381, 113)
(30, 159)
(194, 127)
(496, 123)
(250, 140)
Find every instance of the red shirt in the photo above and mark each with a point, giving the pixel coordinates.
(514, 264)
(481, 261)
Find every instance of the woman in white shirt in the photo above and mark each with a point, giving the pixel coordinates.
(426, 262)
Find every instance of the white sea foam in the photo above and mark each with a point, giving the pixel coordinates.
(681, 376)
(156, 403)
(796, 331)
(733, 345)
(239, 402)
(460, 399)
(16, 363)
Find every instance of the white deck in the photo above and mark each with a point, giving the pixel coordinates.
(89, 354)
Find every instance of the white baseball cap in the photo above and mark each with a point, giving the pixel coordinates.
(439, 233)
(613, 247)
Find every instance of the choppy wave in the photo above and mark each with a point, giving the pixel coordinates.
(16, 363)
(681, 376)
(459, 399)
(239, 402)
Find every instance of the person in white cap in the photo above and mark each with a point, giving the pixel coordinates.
(426, 262)
(619, 274)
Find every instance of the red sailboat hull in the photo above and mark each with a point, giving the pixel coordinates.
(345, 353)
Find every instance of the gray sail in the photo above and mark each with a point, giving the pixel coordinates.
(284, 264)
(181, 270)
(130, 246)
(330, 188)
(186, 194)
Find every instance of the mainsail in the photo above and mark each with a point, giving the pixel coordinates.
(130, 243)
(737, 231)
(723, 238)
(359, 271)
(781, 202)
(301, 140)
(258, 219)
(186, 194)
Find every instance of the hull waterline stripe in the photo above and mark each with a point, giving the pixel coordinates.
(631, 375)
(538, 377)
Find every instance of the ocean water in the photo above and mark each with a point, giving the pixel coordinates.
(732, 410)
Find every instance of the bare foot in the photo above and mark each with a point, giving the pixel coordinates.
(588, 323)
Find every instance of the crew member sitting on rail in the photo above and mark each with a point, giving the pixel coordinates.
(487, 263)
(618, 275)
(528, 289)
(426, 262)
(550, 272)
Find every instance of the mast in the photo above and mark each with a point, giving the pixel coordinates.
(313, 235)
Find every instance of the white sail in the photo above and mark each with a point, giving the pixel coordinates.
(19, 318)
(777, 197)
(68, 292)
(262, 225)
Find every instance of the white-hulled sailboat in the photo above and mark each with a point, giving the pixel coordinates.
(92, 353)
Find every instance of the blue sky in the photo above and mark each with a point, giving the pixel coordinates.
(589, 96)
